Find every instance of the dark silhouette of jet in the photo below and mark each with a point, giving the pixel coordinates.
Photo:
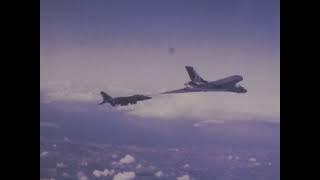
(122, 101)
(198, 84)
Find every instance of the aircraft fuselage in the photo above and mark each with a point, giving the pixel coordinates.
(122, 101)
(227, 84)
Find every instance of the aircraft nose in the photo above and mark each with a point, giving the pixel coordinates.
(147, 97)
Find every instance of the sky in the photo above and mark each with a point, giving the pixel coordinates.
(123, 47)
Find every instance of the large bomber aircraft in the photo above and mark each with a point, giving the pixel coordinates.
(198, 84)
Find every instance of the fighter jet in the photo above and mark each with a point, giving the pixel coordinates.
(198, 84)
(122, 101)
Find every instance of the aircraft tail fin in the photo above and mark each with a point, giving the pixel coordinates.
(106, 98)
(194, 76)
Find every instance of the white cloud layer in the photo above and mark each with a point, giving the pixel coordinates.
(215, 107)
(209, 106)
(63, 91)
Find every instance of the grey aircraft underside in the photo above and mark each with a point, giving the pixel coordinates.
(122, 101)
(198, 84)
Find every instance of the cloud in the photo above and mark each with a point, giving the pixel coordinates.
(67, 92)
(64, 174)
(97, 173)
(207, 123)
(174, 149)
(44, 154)
(125, 176)
(212, 107)
(84, 163)
(111, 172)
(196, 125)
(184, 177)
(61, 165)
(256, 164)
(152, 167)
(252, 159)
(127, 159)
(159, 174)
(104, 173)
(139, 166)
(82, 176)
(233, 157)
(230, 157)
(66, 139)
(48, 125)
(209, 107)
(186, 166)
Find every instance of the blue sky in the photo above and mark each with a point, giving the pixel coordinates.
(122, 47)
